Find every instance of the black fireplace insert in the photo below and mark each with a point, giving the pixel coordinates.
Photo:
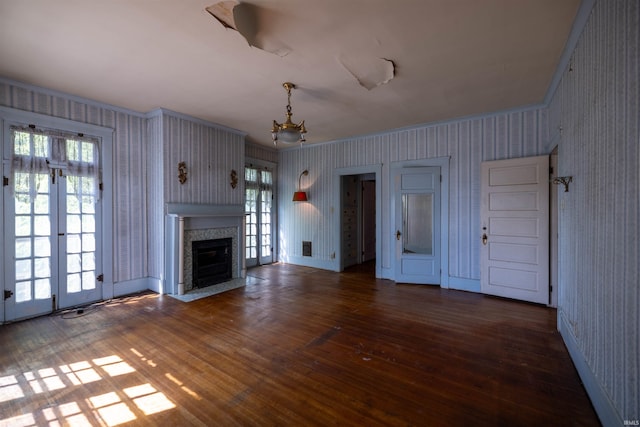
(212, 261)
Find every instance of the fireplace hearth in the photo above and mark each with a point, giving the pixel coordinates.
(212, 262)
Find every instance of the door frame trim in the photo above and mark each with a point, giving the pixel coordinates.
(338, 173)
(443, 164)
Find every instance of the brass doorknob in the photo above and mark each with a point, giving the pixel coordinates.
(484, 238)
(398, 234)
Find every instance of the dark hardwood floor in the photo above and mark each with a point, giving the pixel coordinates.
(300, 347)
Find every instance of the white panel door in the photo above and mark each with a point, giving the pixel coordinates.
(417, 199)
(515, 229)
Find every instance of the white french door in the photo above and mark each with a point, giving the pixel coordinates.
(418, 254)
(52, 224)
(259, 209)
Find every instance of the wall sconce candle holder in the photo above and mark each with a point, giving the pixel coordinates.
(234, 178)
(182, 172)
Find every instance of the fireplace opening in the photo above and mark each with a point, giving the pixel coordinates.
(212, 261)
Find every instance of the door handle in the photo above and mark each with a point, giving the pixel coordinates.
(398, 234)
(484, 238)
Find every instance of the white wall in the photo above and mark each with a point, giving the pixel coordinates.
(594, 115)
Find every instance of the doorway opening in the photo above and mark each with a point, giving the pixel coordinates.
(358, 227)
(358, 220)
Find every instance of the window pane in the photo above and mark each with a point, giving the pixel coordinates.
(73, 283)
(42, 267)
(21, 143)
(42, 246)
(23, 269)
(73, 263)
(23, 291)
(41, 204)
(88, 223)
(23, 247)
(88, 280)
(43, 288)
(23, 226)
(41, 225)
(73, 244)
(417, 224)
(89, 261)
(88, 242)
(73, 224)
(22, 206)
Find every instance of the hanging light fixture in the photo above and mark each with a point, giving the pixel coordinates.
(300, 196)
(288, 132)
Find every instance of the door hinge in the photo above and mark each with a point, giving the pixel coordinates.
(100, 278)
(7, 294)
(551, 171)
(100, 186)
(5, 181)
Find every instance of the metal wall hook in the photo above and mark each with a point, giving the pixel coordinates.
(564, 180)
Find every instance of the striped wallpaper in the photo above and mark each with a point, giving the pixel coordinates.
(468, 142)
(593, 118)
(595, 114)
(146, 152)
(130, 166)
(210, 154)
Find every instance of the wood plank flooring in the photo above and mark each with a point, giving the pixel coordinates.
(301, 347)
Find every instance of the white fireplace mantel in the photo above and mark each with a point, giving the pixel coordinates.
(202, 210)
(213, 216)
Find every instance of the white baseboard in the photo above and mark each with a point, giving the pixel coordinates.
(311, 262)
(133, 286)
(462, 284)
(605, 409)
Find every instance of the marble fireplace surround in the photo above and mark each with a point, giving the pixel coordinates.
(186, 223)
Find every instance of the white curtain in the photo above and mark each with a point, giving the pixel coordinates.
(35, 152)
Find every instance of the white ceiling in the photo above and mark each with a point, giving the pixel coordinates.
(451, 58)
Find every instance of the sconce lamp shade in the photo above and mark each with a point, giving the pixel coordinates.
(300, 196)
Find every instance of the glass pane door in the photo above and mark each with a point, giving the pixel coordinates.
(259, 219)
(266, 201)
(33, 256)
(79, 236)
(52, 224)
(417, 217)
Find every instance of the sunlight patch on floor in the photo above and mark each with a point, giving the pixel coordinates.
(111, 408)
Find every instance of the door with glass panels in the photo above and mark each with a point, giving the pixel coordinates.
(51, 224)
(259, 208)
(417, 236)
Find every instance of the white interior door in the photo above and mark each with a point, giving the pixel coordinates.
(515, 229)
(417, 192)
